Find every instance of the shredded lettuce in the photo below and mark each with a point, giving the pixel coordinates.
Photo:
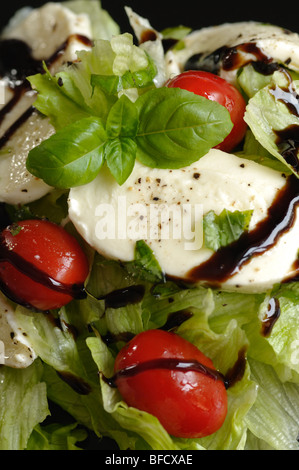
(56, 437)
(73, 367)
(76, 345)
(24, 404)
(273, 419)
(268, 112)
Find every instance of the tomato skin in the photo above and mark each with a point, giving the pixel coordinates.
(217, 89)
(53, 251)
(188, 404)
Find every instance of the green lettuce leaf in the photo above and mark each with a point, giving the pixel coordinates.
(273, 418)
(56, 437)
(24, 404)
(252, 81)
(268, 113)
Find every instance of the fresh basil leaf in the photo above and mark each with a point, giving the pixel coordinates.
(178, 127)
(71, 157)
(122, 119)
(145, 265)
(120, 154)
(223, 229)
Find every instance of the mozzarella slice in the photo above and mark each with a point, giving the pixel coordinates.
(15, 350)
(21, 186)
(165, 208)
(45, 30)
(273, 41)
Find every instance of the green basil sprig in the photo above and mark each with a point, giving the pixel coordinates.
(107, 110)
(164, 128)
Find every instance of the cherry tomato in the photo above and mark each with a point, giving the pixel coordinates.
(35, 252)
(217, 89)
(187, 403)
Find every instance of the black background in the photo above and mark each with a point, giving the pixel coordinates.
(192, 13)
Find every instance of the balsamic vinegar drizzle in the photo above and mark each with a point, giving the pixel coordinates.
(229, 379)
(164, 363)
(232, 58)
(272, 315)
(228, 260)
(17, 63)
(124, 296)
(76, 383)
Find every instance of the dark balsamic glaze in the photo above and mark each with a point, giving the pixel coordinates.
(76, 383)
(176, 319)
(15, 126)
(16, 61)
(164, 363)
(75, 291)
(182, 365)
(270, 318)
(232, 58)
(228, 260)
(287, 142)
(16, 64)
(123, 336)
(148, 35)
(123, 297)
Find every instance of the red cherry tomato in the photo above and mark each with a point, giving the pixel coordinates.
(188, 403)
(217, 89)
(35, 252)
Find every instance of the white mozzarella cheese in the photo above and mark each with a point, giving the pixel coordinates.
(275, 42)
(20, 186)
(45, 30)
(15, 350)
(111, 218)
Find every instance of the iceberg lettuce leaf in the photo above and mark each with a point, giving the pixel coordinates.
(23, 404)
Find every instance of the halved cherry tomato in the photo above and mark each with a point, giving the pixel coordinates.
(217, 89)
(188, 403)
(41, 264)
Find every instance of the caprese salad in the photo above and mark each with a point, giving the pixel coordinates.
(149, 201)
